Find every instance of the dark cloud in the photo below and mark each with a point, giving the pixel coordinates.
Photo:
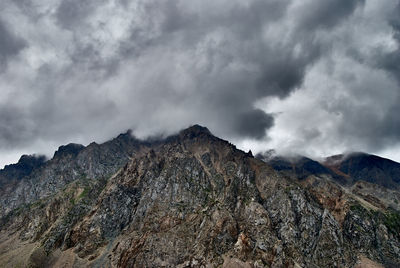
(95, 68)
(326, 13)
(234, 64)
(390, 61)
(253, 124)
(389, 125)
(349, 100)
(73, 13)
(10, 44)
(380, 129)
(13, 128)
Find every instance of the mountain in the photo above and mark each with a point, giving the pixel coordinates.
(299, 167)
(295, 166)
(345, 169)
(366, 167)
(192, 200)
(24, 167)
(69, 163)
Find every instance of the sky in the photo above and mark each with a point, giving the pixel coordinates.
(310, 77)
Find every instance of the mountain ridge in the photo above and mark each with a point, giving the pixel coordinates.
(330, 162)
(192, 200)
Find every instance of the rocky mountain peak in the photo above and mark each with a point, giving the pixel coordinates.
(128, 135)
(31, 160)
(195, 131)
(72, 149)
(24, 167)
(27, 163)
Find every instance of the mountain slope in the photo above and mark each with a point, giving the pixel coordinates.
(345, 169)
(300, 167)
(366, 167)
(194, 200)
(11, 174)
(69, 163)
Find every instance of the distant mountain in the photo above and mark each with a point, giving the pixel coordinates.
(195, 200)
(366, 167)
(299, 167)
(345, 169)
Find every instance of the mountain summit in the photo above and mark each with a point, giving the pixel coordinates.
(195, 130)
(194, 200)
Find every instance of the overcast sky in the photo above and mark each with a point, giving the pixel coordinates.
(315, 77)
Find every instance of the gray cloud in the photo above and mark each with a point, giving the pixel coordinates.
(71, 14)
(10, 44)
(326, 13)
(390, 61)
(254, 123)
(92, 69)
(350, 97)
(13, 127)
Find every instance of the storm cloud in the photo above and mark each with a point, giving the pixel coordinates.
(302, 76)
(10, 44)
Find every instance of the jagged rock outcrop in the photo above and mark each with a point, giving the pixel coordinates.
(14, 172)
(70, 162)
(194, 200)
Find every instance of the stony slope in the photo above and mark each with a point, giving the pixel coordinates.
(70, 162)
(194, 200)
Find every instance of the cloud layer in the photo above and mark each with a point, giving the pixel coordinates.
(305, 76)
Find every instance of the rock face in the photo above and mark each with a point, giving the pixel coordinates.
(192, 200)
(70, 162)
